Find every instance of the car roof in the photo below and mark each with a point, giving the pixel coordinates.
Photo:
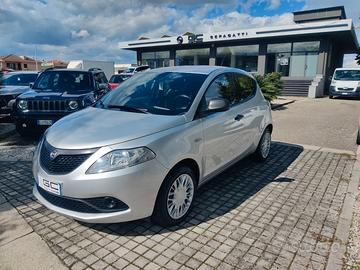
(195, 69)
(350, 68)
(22, 72)
(72, 69)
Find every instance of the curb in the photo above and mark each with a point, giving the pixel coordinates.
(335, 261)
(276, 106)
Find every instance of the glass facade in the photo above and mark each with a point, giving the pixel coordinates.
(155, 59)
(291, 59)
(297, 59)
(244, 57)
(192, 57)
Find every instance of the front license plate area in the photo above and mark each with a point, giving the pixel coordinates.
(44, 122)
(52, 187)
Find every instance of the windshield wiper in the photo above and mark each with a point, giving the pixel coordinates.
(126, 108)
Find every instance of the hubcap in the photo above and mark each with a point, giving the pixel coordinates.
(180, 196)
(265, 144)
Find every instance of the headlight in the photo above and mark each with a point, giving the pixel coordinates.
(73, 105)
(333, 83)
(120, 159)
(22, 104)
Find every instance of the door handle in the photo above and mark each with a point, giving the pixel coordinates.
(239, 117)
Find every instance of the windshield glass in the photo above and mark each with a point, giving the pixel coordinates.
(347, 75)
(61, 81)
(129, 70)
(168, 93)
(116, 79)
(18, 79)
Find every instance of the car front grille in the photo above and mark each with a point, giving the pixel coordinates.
(345, 89)
(91, 205)
(58, 161)
(47, 105)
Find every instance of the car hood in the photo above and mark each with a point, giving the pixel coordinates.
(40, 94)
(348, 84)
(95, 127)
(13, 89)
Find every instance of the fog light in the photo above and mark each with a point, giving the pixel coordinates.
(24, 125)
(110, 202)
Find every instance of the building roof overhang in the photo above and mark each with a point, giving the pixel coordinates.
(343, 30)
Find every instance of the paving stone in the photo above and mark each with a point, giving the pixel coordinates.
(281, 214)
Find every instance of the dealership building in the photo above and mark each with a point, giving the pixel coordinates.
(305, 52)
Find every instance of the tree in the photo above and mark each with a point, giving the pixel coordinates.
(270, 85)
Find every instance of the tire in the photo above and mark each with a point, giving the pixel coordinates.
(331, 97)
(263, 149)
(358, 137)
(162, 210)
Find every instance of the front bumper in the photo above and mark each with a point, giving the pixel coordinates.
(339, 93)
(29, 121)
(136, 186)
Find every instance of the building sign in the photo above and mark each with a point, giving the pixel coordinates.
(229, 35)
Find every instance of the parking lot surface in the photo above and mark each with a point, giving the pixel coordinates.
(324, 122)
(279, 214)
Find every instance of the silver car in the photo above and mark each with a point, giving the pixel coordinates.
(145, 148)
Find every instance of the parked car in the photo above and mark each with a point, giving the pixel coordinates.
(133, 70)
(345, 83)
(13, 84)
(145, 149)
(116, 79)
(56, 93)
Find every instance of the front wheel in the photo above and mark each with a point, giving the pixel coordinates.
(263, 149)
(358, 137)
(175, 198)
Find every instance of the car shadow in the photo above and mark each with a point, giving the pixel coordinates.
(222, 194)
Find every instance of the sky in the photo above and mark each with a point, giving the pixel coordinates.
(92, 29)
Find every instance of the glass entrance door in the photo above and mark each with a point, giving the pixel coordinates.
(303, 64)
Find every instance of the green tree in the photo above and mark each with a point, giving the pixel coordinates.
(270, 85)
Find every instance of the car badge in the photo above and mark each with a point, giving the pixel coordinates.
(53, 154)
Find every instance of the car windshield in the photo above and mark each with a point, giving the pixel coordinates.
(18, 79)
(116, 79)
(167, 93)
(129, 70)
(347, 75)
(63, 81)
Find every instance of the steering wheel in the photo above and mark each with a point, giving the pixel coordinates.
(182, 101)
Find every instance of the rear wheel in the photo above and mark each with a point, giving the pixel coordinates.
(175, 198)
(263, 149)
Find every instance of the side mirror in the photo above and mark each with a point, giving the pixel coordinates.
(31, 85)
(218, 105)
(215, 105)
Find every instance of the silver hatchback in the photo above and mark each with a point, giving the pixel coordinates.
(146, 147)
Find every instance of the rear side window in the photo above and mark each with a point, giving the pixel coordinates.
(100, 78)
(244, 87)
(232, 87)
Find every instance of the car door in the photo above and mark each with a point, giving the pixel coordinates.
(245, 111)
(221, 128)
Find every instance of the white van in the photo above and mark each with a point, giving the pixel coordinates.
(345, 83)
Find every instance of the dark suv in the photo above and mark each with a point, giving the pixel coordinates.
(56, 93)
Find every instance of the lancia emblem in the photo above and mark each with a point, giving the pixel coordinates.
(53, 154)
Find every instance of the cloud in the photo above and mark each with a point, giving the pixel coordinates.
(78, 29)
(80, 34)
